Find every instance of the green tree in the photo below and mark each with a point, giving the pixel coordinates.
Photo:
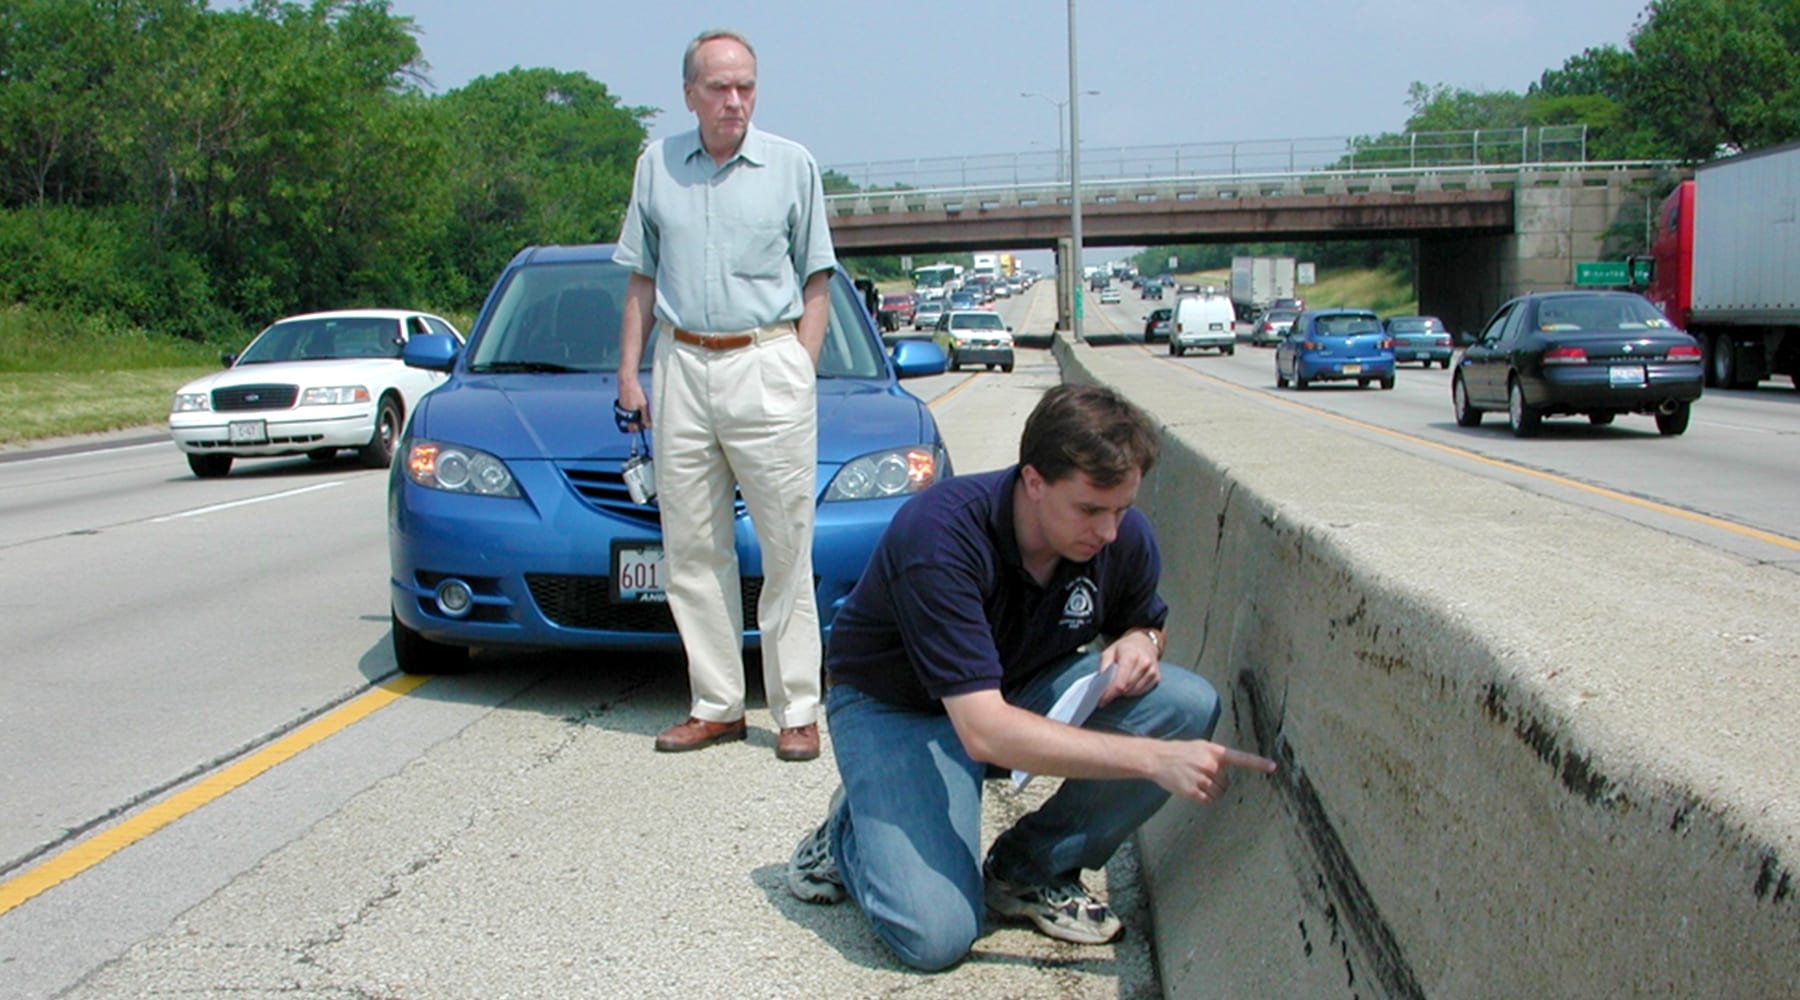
(540, 156)
(1712, 74)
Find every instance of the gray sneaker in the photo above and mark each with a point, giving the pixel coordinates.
(812, 874)
(1064, 910)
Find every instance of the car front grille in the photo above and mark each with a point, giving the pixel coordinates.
(601, 487)
(586, 602)
(254, 397)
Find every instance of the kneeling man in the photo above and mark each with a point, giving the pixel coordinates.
(965, 628)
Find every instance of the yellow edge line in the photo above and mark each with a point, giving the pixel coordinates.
(1712, 522)
(79, 858)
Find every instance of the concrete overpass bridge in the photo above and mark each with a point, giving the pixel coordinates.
(1493, 216)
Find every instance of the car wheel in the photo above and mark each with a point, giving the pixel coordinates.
(1362, 383)
(1007, 368)
(1444, 364)
(1600, 419)
(1228, 351)
(415, 654)
(1387, 382)
(1466, 415)
(209, 466)
(1524, 420)
(379, 452)
(1176, 350)
(1675, 421)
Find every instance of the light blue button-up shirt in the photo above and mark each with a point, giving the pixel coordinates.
(729, 247)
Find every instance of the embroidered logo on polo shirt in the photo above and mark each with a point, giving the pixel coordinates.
(1078, 609)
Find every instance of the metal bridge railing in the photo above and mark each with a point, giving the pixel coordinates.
(1472, 148)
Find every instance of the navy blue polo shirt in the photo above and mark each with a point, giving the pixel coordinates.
(946, 607)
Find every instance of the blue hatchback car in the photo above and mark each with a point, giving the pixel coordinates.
(1335, 345)
(509, 522)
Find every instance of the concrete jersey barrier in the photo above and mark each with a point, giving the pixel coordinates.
(1527, 749)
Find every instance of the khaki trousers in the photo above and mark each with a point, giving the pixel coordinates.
(745, 417)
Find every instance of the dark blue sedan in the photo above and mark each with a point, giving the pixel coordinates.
(1335, 345)
(509, 522)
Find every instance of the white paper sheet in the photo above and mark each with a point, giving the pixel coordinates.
(1074, 707)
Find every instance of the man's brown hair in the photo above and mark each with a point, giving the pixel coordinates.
(1089, 429)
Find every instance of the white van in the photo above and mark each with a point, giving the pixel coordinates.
(1200, 321)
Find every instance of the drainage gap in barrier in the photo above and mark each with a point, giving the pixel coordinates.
(1357, 909)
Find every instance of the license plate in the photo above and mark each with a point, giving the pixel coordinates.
(249, 431)
(1625, 375)
(637, 576)
(1351, 369)
(1215, 327)
(1419, 355)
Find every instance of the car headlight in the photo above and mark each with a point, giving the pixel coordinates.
(893, 473)
(191, 402)
(456, 469)
(334, 395)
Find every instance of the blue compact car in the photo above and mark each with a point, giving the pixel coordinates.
(509, 521)
(1335, 345)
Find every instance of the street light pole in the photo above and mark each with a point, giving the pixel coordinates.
(1061, 146)
(1075, 177)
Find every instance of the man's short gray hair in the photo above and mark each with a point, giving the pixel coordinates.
(688, 70)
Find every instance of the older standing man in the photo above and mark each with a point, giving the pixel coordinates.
(726, 237)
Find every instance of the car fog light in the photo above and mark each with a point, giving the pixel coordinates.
(454, 598)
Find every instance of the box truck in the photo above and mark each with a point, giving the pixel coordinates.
(1258, 281)
(1726, 265)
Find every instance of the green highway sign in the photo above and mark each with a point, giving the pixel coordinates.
(1609, 273)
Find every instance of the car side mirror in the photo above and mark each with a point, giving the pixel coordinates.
(430, 351)
(1465, 339)
(228, 359)
(913, 358)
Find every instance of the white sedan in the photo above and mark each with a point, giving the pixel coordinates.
(308, 385)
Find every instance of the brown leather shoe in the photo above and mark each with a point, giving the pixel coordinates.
(698, 734)
(798, 742)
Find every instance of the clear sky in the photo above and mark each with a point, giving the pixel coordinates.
(864, 83)
(861, 82)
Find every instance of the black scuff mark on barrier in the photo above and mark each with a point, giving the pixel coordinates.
(1358, 915)
(1770, 876)
(1578, 774)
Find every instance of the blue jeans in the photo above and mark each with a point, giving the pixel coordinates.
(908, 836)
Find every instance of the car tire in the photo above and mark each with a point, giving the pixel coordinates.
(1466, 415)
(1600, 419)
(1228, 351)
(1524, 420)
(1007, 368)
(1174, 350)
(379, 452)
(209, 466)
(1675, 421)
(415, 654)
(1388, 382)
(1362, 383)
(1444, 364)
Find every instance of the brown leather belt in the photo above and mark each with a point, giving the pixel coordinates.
(713, 342)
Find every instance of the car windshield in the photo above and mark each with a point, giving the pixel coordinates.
(1282, 316)
(978, 321)
(1345, 326)
(564, 317)
(325, 338)
(1599, 313)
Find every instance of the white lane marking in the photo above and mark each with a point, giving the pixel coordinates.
(87, 453)
(284, 494)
